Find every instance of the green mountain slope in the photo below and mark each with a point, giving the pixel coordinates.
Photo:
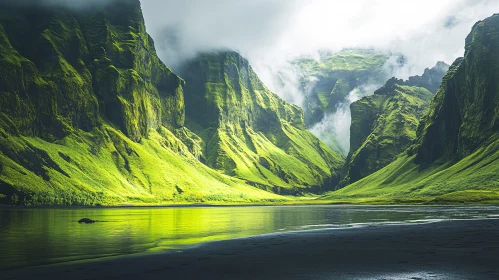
(455, 157)
(336, 75)
(431, 78)
(89, 114)
(249, 132)
(327, 82)
(384, 124)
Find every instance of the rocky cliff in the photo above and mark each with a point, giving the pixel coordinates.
(385, 124)
(249, 132)
(456, 152)
(89, 114)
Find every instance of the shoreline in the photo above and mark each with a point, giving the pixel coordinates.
(229, 205)
(447, 249)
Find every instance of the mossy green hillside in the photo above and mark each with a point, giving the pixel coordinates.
(456, 153)
(89, 115)
(384, 124)
(328, 80)
(465, 112)
(104, 167)
(473, 179)
(64, 70)
(249, 132)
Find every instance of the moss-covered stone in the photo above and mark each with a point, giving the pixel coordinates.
(64, 69)
(90, 116)
(384, 124)
(465, 112)
(456, 152)
(251, 133)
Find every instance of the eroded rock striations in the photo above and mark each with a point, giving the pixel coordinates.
(249, 132)
(384, 124)
(456, 152)
(89, 115)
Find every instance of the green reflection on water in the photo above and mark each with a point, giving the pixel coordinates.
(44, 236)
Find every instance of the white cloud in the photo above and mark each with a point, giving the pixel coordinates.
(334, 129)
(272, 31)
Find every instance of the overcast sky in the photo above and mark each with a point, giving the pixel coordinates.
(273, 31)
(270, 33)
(267, 31)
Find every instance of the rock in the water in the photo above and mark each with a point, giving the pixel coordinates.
(86, 221)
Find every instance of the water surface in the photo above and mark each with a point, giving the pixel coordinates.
(31, 237)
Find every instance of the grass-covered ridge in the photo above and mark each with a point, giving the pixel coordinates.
(384, 124)
(89, 115)
(65, 70)
(456, 154)
(104, 167)
(249, 132)
(345, 60)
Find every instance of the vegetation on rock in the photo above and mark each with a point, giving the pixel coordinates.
(89, 115)
(455, 155)
(384, 124)
(249, 132)
(327, 81)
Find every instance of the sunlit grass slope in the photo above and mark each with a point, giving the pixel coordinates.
(383, 126)
(104, 167)
(455, 155)
(252, 134)
(90, 115)
(472, 179)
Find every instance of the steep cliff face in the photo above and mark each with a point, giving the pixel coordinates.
(464, 114)
(63, 70)
(249, 132)
(90, 115)
(456, 153)
(384, 124)
(431, 78)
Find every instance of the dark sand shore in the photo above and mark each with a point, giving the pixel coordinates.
(444, 250)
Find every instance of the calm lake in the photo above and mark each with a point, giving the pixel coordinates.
(31, 237)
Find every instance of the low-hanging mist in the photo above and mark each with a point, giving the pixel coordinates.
(334, 129)
(273, 33)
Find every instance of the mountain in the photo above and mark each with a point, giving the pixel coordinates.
(456, 152)
(328, 80)
(89, 114)
(431, 78)
(384, 124)
(249, 132)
